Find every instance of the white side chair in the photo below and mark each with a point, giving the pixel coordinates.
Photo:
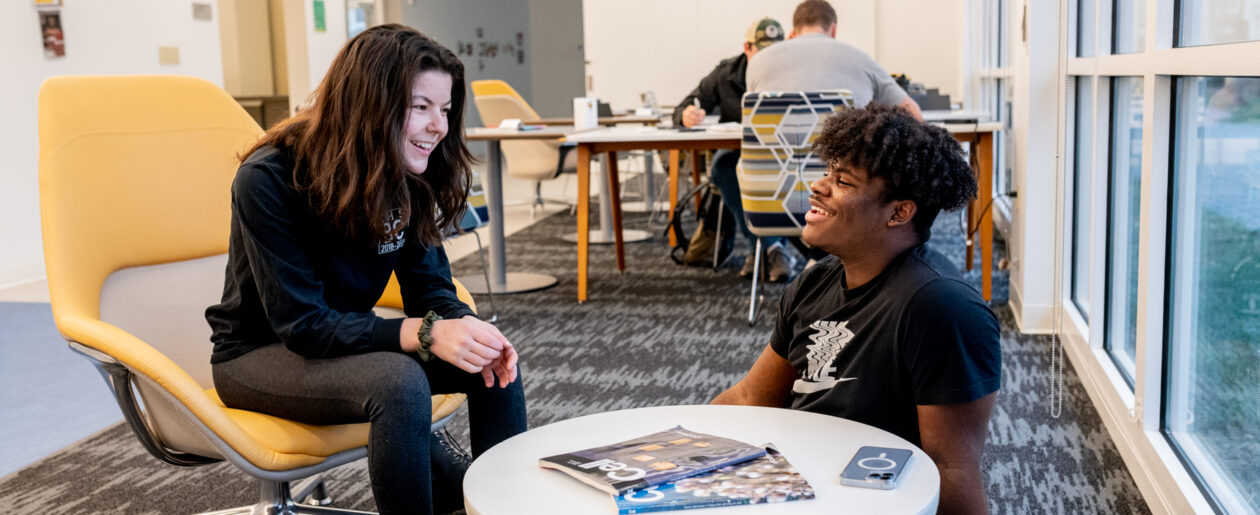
(533, 160)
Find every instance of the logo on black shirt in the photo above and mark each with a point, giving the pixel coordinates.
(395, 228)
(829, 339)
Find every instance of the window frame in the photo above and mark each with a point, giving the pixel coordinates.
(1135, 418)
(1109, 339)
(1218, 490)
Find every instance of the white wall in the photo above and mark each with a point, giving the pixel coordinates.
(322, 47)
(308, 53)
(1031, 243)
(117, 37)
(925, 41)
(245, 35)
(668, 45)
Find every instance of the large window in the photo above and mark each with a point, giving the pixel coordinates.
(1212, 401)
(1162, 207)
(1081, 182)
(1128, 26)
(994, 89)
(1085, 13)
(1004, 163)
(1208, 22)
(1124, 208)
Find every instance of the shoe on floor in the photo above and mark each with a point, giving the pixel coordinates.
(448, 464)
(781, 264)
(747, 270)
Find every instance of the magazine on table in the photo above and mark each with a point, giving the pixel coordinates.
(651, 460)
(768, 479)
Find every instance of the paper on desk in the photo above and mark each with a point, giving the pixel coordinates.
(725, 127)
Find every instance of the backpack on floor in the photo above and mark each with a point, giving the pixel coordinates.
(698, 251)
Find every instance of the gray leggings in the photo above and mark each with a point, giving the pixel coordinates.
(391, 390)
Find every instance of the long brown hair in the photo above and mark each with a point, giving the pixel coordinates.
(347, 146)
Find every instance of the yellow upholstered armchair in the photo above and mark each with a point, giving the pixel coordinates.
(135, 175)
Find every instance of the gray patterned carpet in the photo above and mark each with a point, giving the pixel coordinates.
(658, 334)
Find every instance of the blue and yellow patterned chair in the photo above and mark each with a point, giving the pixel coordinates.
(777, 162)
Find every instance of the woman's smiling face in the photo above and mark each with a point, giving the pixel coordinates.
(426, 118)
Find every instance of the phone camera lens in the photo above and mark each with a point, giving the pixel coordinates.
(886, 476)
(873, 475)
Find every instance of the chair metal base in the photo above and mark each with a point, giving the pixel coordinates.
(753, 298)
(275, 499)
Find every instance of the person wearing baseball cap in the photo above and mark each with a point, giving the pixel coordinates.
(763, 33)
(723, 89)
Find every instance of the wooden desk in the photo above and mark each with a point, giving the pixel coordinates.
(500, 280)
(612, 140)
(507, 478)
(618, 139)
(979, 211)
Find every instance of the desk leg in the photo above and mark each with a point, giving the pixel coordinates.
(614, 196)
(697, 157)
(985, 154)
(583, 215)
(649, 162)
(605, 201)
(673, 193)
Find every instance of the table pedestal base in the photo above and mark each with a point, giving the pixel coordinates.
(517, 282)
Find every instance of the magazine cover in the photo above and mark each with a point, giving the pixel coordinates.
(768, 479)
(651, 460)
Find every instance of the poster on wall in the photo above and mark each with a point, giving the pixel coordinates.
(317, 8)
(484, 50)
(50, 29)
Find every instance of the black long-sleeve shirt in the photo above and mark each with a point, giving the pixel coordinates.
(289, 280)
(722, 88)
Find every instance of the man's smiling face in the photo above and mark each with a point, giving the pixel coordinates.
(847, 211)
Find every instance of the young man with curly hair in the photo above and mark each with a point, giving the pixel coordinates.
(884, 331)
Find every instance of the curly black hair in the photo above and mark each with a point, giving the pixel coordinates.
(916, 161)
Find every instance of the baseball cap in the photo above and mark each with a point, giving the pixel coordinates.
(764, 32)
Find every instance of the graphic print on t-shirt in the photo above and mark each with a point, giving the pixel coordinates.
(394, 227)
(829, 339)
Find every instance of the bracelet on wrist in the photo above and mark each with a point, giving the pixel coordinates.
(426, 338)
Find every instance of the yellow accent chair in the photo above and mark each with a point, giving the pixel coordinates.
(777, 162)
(134, 179)
(533, 160)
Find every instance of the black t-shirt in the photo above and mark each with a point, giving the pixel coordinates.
(914, 335)
(289, 280)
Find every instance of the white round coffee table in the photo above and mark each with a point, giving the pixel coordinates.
(508, 480)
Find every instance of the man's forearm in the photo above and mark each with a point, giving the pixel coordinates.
(962, 492)
(730, 396)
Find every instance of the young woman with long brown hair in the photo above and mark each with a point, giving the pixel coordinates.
(324, 208)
